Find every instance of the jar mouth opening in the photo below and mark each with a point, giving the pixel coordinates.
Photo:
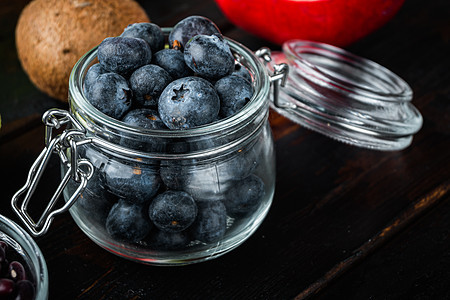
(342, 72)
(242, 54)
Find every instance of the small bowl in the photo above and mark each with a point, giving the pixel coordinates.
(29, 253)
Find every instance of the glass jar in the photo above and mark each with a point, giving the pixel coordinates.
(26, 251)
(221, 175)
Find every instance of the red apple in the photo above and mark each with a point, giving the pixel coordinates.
(336, 22)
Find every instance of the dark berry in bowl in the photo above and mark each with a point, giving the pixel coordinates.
(172, 61)
(147, 83)
(173, 211)
(110, 94)
(202, 181)
(149, 32)
(211, 223)
(188, 102)
(128, 222)
(123, 55)
(145, 118)
(191, 26)
(240, 70)
(135, 182)
(209, 56)
(241, 163)
(91, 76)
(234, 93)
(95, 201)
(96, 206)
(244, 196)
(209, 182)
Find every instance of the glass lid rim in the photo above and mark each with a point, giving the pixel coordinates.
(398, 91)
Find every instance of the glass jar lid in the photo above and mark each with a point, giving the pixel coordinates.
(345, 97)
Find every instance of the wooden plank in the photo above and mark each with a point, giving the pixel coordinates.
(410, 215)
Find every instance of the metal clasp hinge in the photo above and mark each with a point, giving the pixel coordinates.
(79, 170)
(278, 78)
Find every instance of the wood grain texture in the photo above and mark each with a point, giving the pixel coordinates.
(407, 217)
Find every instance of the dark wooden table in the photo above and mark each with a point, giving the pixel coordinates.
(346, 223)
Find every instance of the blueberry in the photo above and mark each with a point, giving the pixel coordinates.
(149, 32)
(128, 222)
(161, 240)
(91, 76)
(188, 102)
(95, 201)
(200, 181)
(173, 211)
(110, 94)
(174, 175)
(146, 118)
(172, 61)
(234, 93)
(143, 118)
(135, 182)
(96, 184)
(211, 222)
(178, 146)
(209, 181)
(95, 206)
(209, 56)
(241, 163)
(191, 26)
(147, 83)
(123, 55)
(244, 196)
(242, 71)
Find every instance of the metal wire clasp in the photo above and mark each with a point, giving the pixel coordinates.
(279, 76)
(79, 170)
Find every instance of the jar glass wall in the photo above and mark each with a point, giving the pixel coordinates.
(222, 175)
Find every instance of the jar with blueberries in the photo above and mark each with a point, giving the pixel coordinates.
(175, 196)
(158, 172)
(160, 196)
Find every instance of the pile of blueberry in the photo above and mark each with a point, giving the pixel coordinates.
(193, 82)
(14, 283)
(168, 205)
